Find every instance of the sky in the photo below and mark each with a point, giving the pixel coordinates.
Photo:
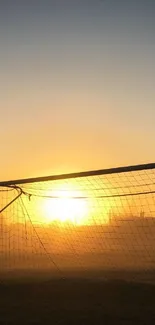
(77, 85)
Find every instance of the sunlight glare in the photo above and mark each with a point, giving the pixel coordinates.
(66, 206)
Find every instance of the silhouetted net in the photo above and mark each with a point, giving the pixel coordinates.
(101, 224)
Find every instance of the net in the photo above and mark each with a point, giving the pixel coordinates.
(98, 222)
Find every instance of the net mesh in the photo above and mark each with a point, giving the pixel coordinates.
(100, 223)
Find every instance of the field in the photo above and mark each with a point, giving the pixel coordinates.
(76, 301)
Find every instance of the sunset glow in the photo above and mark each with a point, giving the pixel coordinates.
(65, 206)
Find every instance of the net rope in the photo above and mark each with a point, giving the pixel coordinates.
(99, 223)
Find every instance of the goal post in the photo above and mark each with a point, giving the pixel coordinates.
(96, 221)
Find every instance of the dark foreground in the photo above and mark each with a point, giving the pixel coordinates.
(77, 302)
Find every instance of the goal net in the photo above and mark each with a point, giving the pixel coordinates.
(94, 222)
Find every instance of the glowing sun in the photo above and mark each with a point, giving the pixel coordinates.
(66, 206)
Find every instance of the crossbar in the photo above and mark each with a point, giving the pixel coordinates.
(80, 174)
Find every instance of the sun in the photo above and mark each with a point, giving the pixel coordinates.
(65, 205)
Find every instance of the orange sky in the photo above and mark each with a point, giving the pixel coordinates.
(77, 86)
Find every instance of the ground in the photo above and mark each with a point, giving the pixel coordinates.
(76, 301)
